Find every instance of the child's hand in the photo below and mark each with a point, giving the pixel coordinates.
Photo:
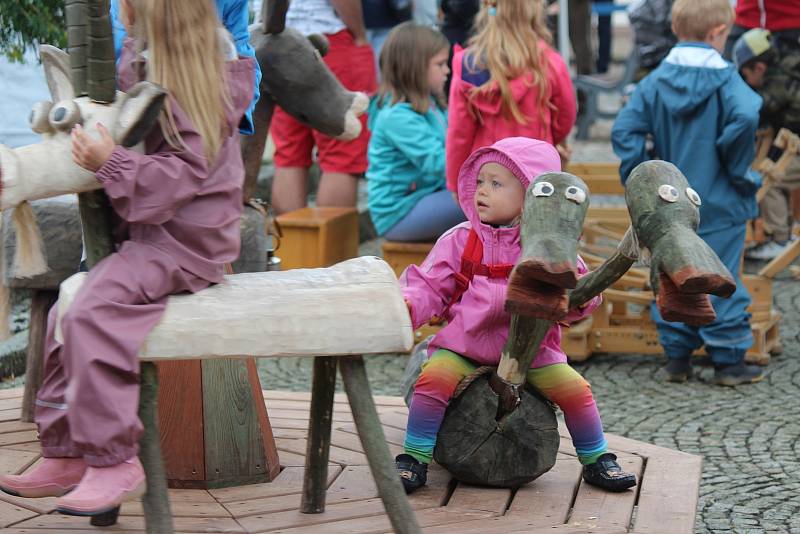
(88, 152)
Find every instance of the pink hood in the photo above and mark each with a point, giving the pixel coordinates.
(478, 325)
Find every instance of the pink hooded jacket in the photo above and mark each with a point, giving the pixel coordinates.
(477, 325)
(173, 198)
(466, 132)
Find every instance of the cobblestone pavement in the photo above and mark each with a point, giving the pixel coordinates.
(749, 436)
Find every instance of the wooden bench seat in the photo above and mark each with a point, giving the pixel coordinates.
(336, 314)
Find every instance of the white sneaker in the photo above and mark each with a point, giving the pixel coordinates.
(766, 251)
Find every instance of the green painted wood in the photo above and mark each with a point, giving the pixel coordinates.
(234, 451)
(318, 446)
(380, 461)
(101, 65)
(77, 16)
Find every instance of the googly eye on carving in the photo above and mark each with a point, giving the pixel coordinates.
(668, 193)
(575, 194)
(693, 196)
(543, 189)
(65, 115)
(39, 117)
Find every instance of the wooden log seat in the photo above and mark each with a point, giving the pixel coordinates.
(334, 314)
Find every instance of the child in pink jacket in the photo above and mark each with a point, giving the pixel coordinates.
(491, 190)
(508, 82)
(179, 206)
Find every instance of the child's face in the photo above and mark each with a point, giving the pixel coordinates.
(499, 196)
(754, 74)
(438, 71)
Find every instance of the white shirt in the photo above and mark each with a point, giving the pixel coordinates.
(313, 16)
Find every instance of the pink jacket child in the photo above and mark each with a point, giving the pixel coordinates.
(479, 121)
(477, 325)
(180, 218)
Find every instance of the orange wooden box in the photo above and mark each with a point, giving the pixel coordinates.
(317, 237)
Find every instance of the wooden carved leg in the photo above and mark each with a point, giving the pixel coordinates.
(157, 513)
(319, 435)
(380, 460)
(41, 303)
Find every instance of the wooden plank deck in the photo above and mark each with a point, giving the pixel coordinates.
(559, 502)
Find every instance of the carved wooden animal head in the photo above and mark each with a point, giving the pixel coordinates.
(296, 78)
(83, 90)
(552, 220)
(665, 213)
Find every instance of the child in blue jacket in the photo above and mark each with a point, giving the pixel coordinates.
(703, 118)
(407, 196)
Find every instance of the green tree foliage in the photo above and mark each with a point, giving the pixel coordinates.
(24, 24)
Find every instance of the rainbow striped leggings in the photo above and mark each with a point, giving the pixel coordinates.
(558, 382)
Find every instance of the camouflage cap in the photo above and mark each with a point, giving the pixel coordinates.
(752, 44)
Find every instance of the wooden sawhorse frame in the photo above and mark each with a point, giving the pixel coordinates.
(335, 314)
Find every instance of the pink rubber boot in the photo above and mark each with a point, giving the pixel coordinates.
(53, 477)
(103, 489)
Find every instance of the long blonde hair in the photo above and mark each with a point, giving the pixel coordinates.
(184, 57)
(405, 57)
(506, 43)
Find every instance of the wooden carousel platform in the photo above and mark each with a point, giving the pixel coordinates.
(665, 500)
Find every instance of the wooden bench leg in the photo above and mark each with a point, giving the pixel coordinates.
(319, 435)
(380, 460)
(41, 302)
(157, 513)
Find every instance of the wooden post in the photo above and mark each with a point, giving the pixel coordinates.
(319, 435)
(42, 301)
(253, 145)
(380, 461)
(157, 513)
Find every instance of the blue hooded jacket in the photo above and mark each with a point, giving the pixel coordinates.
(703, 118)
(235, 16)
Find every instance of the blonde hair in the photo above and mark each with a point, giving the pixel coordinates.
(404, 61)
(693, 19)
(184, 57)
(506, 43)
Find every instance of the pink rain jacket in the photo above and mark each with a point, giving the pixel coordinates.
(466, 132)
(173, 198)
(477, 325)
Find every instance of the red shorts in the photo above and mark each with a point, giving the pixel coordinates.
(354, 66)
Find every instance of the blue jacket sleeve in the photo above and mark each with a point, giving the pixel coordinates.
(117, 26)
(410, 133)
(629, 133)
(736, 142)
(235, 16)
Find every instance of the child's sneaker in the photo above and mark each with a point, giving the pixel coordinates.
(413, 473)
(607, 474)
(103, 489)
(736, 374)
(53, 477)
(765, 251)
(678, 369)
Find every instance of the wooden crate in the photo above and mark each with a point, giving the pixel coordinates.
(601, 178)
(400, 255)
(615, 327)
(318, 237)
